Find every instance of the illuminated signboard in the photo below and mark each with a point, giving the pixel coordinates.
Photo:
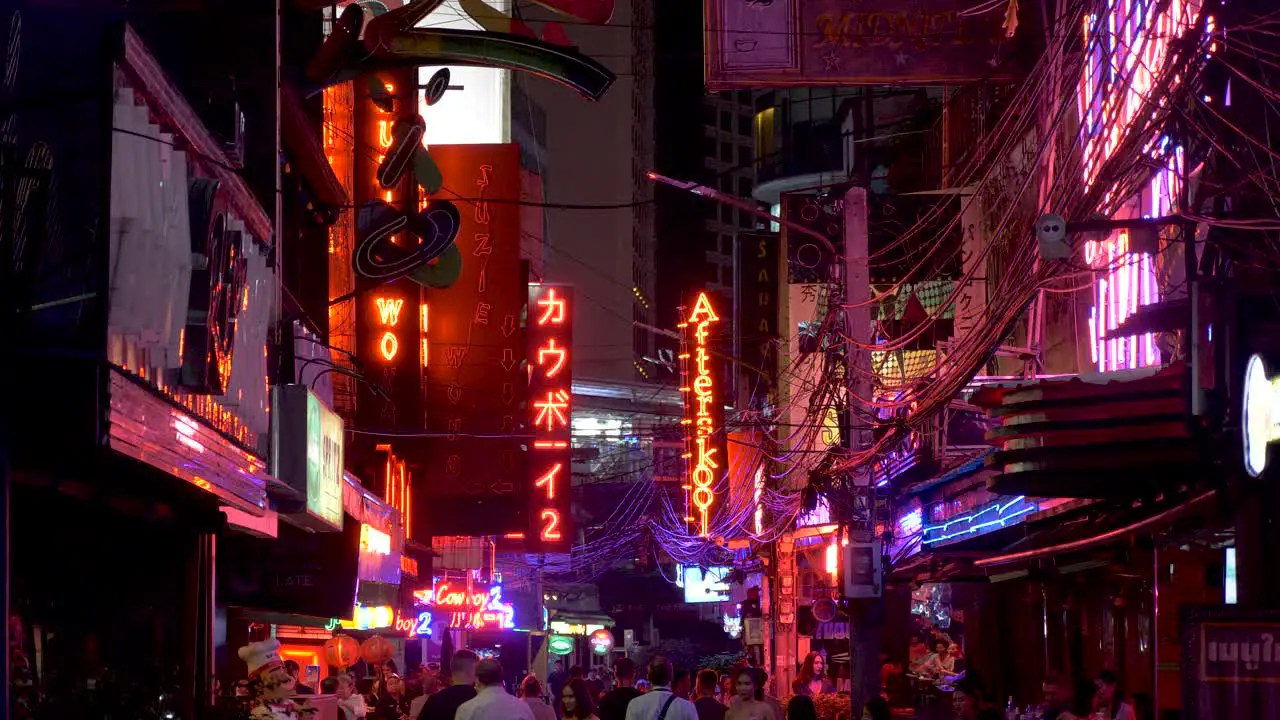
(1260, 416)
(307, 452)
(601, 642)
(475, 381)
(560, 645)
(369, 617)
(369, 262)
(469, 608)
(704, 415)
(550, 337)
(398, 488)
(994, 516)
(373, 540)
(1136, 36)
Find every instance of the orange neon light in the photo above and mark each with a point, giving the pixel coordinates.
(551, 525)
(549, 480)
(389, 316)
(398, 490)
(553, 309)
(424, 311)
(705, 464)
(550, 444)
(389, 346)
(550, 350)
(552, 410)
(389, 310)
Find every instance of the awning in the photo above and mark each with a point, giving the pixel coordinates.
(1089, 533)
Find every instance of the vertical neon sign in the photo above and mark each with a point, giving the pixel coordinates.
(398, 488)
(1127, 53)
(705, 454)
(550, 337)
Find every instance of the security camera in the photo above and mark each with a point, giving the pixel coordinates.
(1051, 234)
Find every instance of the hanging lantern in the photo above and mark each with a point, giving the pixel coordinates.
(377, 650)
(341, 651)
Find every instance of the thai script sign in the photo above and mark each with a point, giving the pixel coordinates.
(1231, 663)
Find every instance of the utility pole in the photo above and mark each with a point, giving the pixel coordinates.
(866, 615)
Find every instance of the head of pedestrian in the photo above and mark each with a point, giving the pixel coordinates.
(660, 671)
(489, 673)
(624, 671)
(462, 667)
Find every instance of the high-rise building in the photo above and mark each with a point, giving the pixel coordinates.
(598, 154)
(707, 138)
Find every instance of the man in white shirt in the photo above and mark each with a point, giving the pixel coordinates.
(659, 703)
(492, 702)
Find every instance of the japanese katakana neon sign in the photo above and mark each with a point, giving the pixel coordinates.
(705, 452)
(550, 416)
(465, 607)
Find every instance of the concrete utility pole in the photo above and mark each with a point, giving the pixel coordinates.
(866, 616)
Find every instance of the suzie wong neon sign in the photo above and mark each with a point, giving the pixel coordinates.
(550, 391)
(704, 463)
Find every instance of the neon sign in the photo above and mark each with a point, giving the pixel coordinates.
(398, 488)
(1127, 54)
(468, 608)
(388, 318)
(1260, 416)
(370, 617)
(702, 411)
(373, 540)
(550, 335)
(997, 515)
(414, 625)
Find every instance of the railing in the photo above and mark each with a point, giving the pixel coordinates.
(820, 152)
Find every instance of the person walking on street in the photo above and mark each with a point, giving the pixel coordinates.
(444, 704)
(708, 707)
(492, 702)
(660, 703)
(531, 693)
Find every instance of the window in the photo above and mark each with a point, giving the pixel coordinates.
(726, 214)
(726, 152)
(708, 115)
(744, 187)
(726, 121)
(726, 245)
(708, 147)
(746, 222)
(726, 184)
(764, 134)
(744, 97)
(744, 155)
(744, 125)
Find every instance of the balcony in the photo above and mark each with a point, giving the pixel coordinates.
(810, 157)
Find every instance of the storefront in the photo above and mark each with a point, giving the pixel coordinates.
(142, 409)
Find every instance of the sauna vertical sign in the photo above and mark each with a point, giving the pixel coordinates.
(550, 343)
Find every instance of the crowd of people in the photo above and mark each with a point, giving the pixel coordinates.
(472, 688)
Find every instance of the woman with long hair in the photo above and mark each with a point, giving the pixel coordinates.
(1109, 702)
(576, 701)
(812, 679)
(748, 697)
